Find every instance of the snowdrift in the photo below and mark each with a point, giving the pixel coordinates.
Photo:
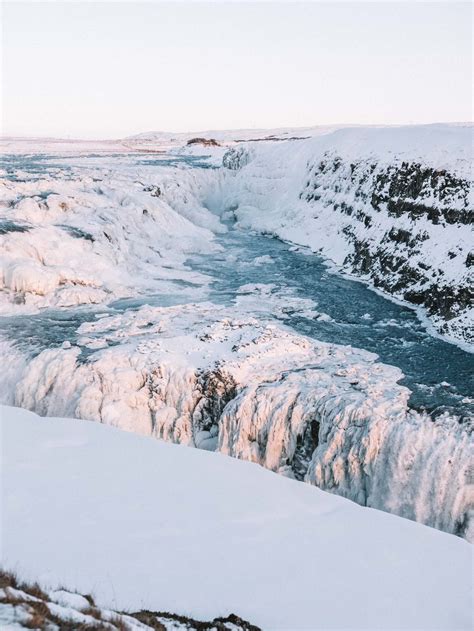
(145, 524)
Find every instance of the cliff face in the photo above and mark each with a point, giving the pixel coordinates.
(397, 215)
(413, 205)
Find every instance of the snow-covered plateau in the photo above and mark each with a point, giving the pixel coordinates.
(147, 525)
(143, 290)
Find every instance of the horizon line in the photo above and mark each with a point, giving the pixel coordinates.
(228, 129)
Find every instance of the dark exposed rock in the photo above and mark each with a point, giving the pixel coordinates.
(306, 443)
(235, 158)
(227, 623)
(404, 191)
(7, 226)
(77, 233)
(446, 301)
(154, 190)
(206, 142)
(272, 138)
(216, 388)
(404, 188)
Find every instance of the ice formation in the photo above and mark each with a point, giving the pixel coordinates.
(86, 239)
(217, 378)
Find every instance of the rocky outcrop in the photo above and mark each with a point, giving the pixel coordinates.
(400, 204)
(236, 158)
(28, 606)
(205, 142)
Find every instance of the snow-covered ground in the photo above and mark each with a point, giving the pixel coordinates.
(14, 145)
(165, 140)
(153, 142)
(145, 524)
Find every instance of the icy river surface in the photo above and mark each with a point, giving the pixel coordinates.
(292, 285)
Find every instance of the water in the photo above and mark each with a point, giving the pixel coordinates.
(41, 165)
(35, 165)
(439, 374)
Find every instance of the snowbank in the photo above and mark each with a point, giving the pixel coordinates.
(145, 524)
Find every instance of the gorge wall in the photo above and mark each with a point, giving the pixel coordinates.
(393, 206)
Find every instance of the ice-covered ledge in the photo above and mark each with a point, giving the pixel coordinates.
(216, 377)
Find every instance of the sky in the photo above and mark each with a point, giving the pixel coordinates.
(112, 69)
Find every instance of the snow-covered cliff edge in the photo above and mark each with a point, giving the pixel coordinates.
(220, 379)
(391, 205)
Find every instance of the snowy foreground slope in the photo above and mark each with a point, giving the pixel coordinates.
(148, 525)
(391, 205)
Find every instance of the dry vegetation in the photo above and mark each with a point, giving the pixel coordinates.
(28, 605)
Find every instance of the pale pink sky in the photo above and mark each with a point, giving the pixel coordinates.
(117, 68)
